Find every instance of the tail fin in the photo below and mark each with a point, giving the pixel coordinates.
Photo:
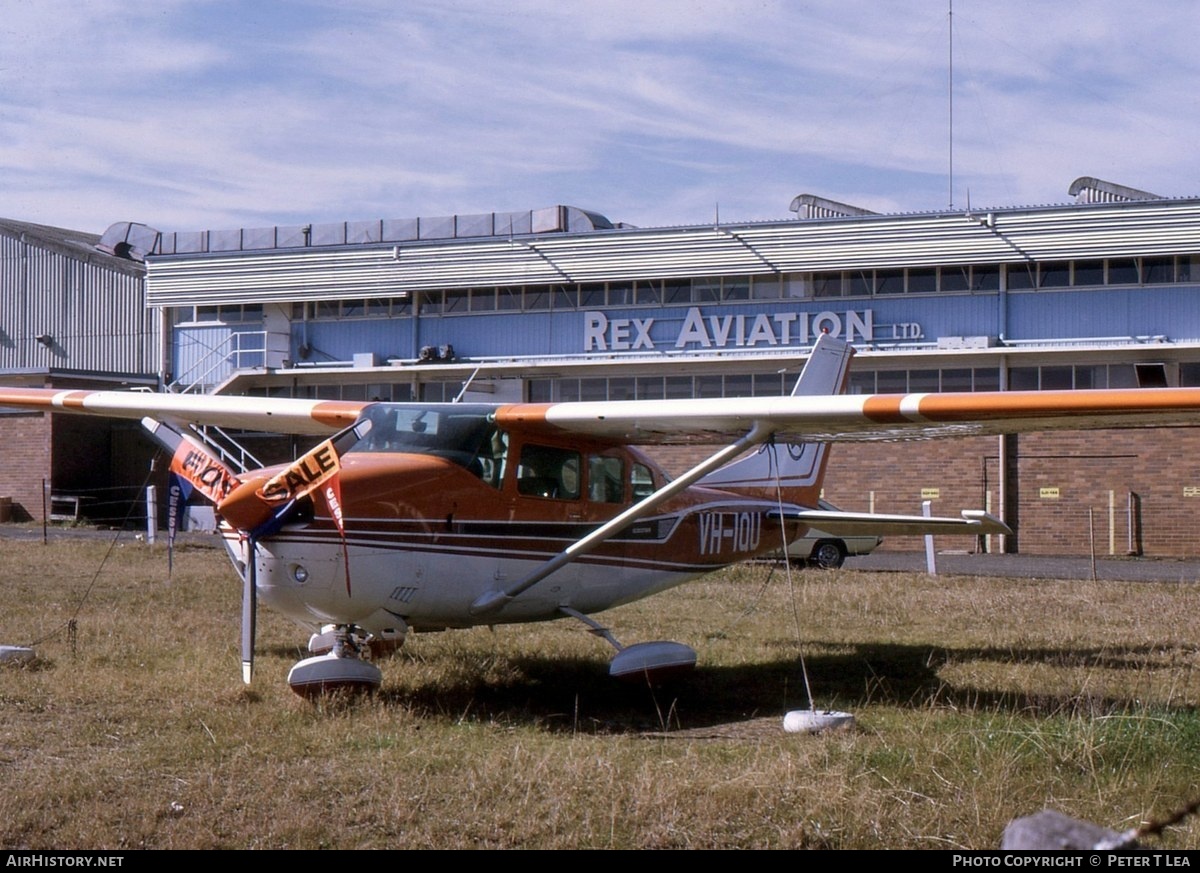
(796, 468)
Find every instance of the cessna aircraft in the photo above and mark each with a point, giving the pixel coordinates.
(425, 516)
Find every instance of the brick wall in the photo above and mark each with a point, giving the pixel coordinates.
(26, 441)
(1055, 480)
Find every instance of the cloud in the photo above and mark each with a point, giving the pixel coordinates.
(195, 113)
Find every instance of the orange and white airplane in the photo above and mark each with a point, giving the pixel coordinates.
(427, 516)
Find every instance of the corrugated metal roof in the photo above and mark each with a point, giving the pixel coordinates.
(66, 306)
(1107, 230)
(76, 244)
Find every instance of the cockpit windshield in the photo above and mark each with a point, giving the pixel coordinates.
(462, 433)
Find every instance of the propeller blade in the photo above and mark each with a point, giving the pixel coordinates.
(249, 610)
(262, 501)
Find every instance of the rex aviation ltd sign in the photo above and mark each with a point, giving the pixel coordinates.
(603, 333)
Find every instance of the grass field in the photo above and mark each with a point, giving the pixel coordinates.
(977, 700)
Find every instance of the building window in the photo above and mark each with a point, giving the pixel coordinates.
(892, 382)
(1055, 274)
(678, 387)
(1020, 277)
(922, 281)
(955, 279)
(537, 299)
(923, 381)
(859, 283)
(956, 380)
(1057, 378)
(566, 297)
(650, 388)
(769, 385)
(709, 386)
(1189, 375)
(647, 293)
(621, 388)
(619, 294)
(593, 389)
(985, 278)
(889, 281)
(508, 299)
(827, 285)
(677, 291)
(765, 288)
(483, 299)
(706, 290)
(431, 302)
(1088, 273)
(1122, 271)
(986, 379)
(736, 288)
(861, 383)
(1023, 379)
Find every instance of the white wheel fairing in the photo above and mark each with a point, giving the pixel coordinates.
(325, 674)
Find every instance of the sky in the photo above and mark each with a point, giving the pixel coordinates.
(213, 114)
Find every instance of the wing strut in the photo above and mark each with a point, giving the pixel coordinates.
(494, 601)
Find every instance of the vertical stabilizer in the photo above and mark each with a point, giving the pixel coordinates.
(796, 468)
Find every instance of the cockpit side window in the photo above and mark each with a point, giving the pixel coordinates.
(546, 471)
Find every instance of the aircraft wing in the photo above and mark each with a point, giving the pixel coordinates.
(270, 414)
(858, 417)
(805, 418)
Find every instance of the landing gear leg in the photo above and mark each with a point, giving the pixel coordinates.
(652, 662)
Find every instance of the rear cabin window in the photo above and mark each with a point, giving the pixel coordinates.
(606, 479)
(642, 480)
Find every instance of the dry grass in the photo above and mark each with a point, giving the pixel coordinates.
(977, 701)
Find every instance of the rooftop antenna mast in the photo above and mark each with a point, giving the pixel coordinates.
(950, 89)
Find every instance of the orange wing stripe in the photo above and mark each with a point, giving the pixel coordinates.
(74, 400)
(1033, 404)
(884, 408)
(337, 413)
(522, 414)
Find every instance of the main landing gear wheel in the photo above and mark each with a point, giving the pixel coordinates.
(341, 669)
(657, 661)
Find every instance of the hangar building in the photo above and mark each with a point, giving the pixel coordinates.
(73, 315)
(562, 304)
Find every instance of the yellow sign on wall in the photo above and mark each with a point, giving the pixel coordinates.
(1048, 493)
(930, 493)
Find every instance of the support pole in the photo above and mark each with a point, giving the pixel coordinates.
(151, 514)
(930, 557)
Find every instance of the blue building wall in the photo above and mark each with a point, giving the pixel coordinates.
(1062, 314)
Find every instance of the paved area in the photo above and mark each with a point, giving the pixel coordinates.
(1036, 566)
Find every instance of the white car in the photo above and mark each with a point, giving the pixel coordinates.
(828, 551)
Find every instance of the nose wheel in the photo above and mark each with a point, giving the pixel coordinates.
(342, 667)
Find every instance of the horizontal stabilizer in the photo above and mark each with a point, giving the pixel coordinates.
(974, 522)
